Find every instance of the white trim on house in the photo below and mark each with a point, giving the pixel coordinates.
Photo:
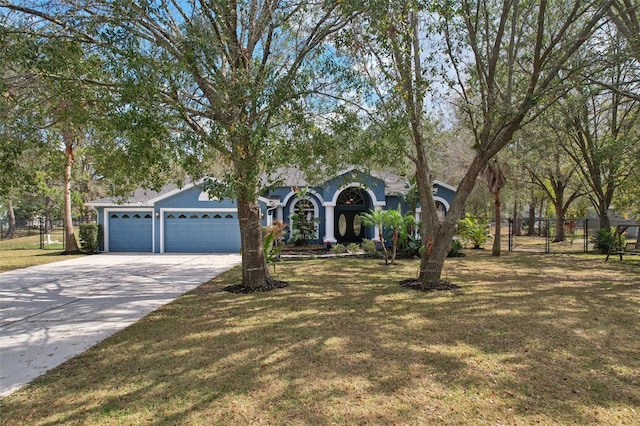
(444, 185)
(374, 199)
(105, 223)
(418, 213)
(204, 196)
(175, 191)
(329, 210)
(287, 197)
(187, 210)
(124, 205)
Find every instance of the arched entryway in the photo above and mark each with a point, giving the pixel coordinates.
(348, 227)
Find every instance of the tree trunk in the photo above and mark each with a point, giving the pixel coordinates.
(432, 259)
(603, 215)
(517, 222)
(558, 204)
(384, 247)
(47, 215)
(542, 217)
(560, 236)
(11, 231)
(71, 245)
(436, 236)
(497, 240)
(395, 247)
(254, 270)
(531, 229)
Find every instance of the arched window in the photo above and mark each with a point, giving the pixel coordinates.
(171, 216)
(194, 216)
(114, 216)
(217, 216)
(229, 216)
(136, 216)
(305, 210)
(147, 216)
(125, 216)
(205, 216)
(182, 216)
(351, 197)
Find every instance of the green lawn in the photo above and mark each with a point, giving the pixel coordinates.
(25, 251)
(529, 339)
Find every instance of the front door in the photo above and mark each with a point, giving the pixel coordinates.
(348, 227)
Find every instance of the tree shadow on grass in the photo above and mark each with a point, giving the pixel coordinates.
(353, 347)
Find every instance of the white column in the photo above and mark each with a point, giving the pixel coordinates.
(376, 230)
(329, 224)
(279, 212)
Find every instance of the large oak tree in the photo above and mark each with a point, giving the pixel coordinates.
(504, 59)
(223, 80)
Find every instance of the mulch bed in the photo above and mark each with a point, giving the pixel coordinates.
(268, 286)
(414, 284)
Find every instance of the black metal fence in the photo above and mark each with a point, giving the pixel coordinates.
(54, 239)
(538, 235)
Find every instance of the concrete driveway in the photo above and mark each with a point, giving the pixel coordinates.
(50, 313)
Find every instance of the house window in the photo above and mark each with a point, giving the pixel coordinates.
(229, 216)
(125, 216)
(307, 211)
(171, 216)
(205, 216)
(217, 216)
(136, 216)
(351, 197)
(114, 216)
(182, 216)
(194, 216)
(147, 216)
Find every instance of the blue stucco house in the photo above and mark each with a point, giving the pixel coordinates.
(186, 219)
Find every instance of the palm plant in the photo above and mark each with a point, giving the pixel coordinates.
(377, 218)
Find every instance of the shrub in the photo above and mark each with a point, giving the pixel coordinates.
(370, 248)
(456, 247)
(473, 230)
(90, 235)
(302, 230)
(410, 246)
(338, 249)
(604, 240)
(353, 248)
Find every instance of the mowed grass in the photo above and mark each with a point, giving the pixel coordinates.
(529, 339)
(25, 251)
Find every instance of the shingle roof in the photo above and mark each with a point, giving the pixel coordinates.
(286, 176)
(139, 196)
(292, 176)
